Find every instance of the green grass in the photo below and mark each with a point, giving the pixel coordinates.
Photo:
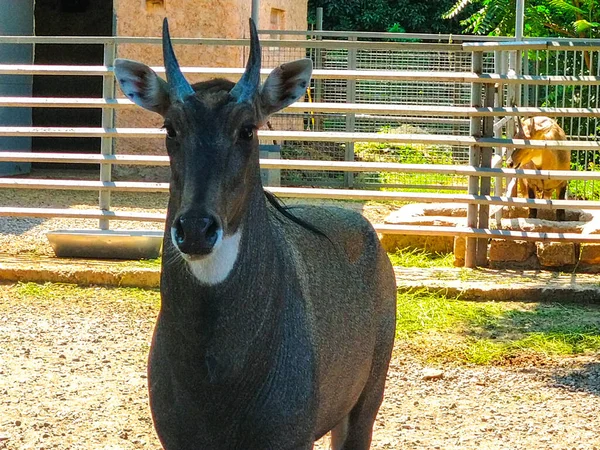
(440, 329)
(150, 263)
(430, 326)
(134, 297)
(421, 258)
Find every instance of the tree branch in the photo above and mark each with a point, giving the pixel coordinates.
(558, 29)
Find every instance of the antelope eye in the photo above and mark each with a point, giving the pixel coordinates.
(170, 131)
(247, 132)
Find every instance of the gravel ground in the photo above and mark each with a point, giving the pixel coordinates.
(72, 372)
(72, 376)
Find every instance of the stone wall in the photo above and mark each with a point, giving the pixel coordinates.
(192, 19)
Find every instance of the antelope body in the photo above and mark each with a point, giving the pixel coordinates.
(276, 325)
(541, 128)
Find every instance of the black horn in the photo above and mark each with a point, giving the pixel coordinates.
(179, 87)
(247, 87)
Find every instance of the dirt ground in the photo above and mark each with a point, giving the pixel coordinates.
(72, 376)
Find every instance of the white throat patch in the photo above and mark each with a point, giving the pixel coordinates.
(216, 267)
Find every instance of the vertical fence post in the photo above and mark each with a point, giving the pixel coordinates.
(474, 160)
(498, 102)
(350, 118)
(255, 11)
(108, 121)
(319, 65)
(485, 185)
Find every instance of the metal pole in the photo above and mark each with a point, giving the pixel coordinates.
(520, 20)
(255, 11)
(319, 19)
(474, 160)
(350, 118)
(498, 102)
(319, 65)
(519, 25)
(485, 185)
(108, 121)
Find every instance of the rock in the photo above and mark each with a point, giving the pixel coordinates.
(556, 254)
(589, 254)
(410, 216)
(505, 250)
(432, 374)
(542, 226)
(428, 210)
(460, 244)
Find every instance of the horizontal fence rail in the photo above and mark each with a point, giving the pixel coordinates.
(321, 136)
(320, 74)
(343, 45)
(306, 107)
(338, 166)
(308, 193)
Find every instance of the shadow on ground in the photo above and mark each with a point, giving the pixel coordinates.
(583, 379)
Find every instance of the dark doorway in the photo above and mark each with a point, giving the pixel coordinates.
(69, 18)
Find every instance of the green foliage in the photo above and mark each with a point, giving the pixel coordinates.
(581, 189)
(48, 291)
(553, 18)
(406, 154)
(413, 16)
(444, 329)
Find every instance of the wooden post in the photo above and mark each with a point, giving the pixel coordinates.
(485, 186)
(474, 160)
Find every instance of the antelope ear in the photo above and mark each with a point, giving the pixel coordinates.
(142, 85)
(285, 84)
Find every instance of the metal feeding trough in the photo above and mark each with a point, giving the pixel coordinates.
(106, 244)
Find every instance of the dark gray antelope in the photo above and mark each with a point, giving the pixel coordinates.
(276, 324)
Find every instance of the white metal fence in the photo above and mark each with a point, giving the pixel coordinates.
(368, 100)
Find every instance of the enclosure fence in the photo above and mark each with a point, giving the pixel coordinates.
(384, 120)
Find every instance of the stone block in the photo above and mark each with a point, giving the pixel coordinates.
(460, 244)
(511, 251)
(542, 226)
(556, 254)
(590, 254)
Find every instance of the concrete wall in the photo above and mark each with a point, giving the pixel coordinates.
(189, 18)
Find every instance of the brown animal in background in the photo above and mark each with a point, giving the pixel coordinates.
(541, 128)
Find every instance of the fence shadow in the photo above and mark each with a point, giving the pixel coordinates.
(585, 378)
(16, 226)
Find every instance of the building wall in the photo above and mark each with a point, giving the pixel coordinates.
(188, 18)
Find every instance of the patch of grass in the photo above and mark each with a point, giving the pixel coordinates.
(437, 328)
(150, 263)
(131, 297)
(408, 257)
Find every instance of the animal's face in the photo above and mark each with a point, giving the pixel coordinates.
(212, 143)
(213, 149)
(535, 128)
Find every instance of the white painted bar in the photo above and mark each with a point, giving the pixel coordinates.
(96, 214)
(381, 75)
(330, 108)
(334, 194)
(323, 136)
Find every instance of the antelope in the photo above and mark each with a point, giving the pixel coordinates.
(542, 128)
(276, 325)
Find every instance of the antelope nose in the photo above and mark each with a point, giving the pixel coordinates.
(195, 235)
